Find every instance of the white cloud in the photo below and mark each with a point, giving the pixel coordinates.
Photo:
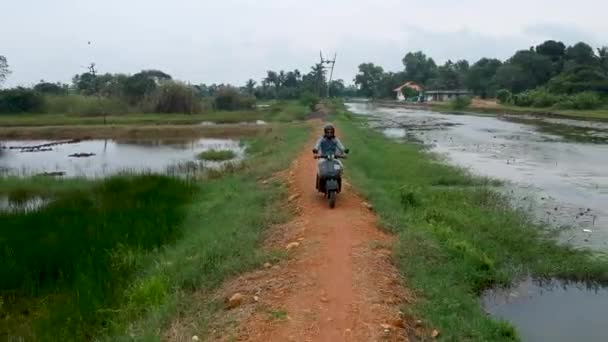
(233, 40)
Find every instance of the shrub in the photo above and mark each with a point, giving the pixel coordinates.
(229, 98)
(504, 96)
(585, 100)
(541, 98)
(461, 102)
(20, 100)
(176, 97)
(523, 99)
(310, 100)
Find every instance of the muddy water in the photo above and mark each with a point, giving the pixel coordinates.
(98, 158)
(552, 311)
(559, 175)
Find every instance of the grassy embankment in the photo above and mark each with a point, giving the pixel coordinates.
(284, 111)
(600, 114)
(457, 236)
(120, 257)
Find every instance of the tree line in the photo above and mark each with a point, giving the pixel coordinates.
(548, 68)
(156, 91)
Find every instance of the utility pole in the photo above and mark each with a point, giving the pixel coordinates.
(331, 62)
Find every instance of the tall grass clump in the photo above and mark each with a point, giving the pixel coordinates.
(176, 97)
(74, 104)
(229, 98)
(78, 251)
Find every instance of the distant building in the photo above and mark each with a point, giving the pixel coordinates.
(411, 85)
(444, 95)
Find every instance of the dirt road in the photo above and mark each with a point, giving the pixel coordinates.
(337, 285)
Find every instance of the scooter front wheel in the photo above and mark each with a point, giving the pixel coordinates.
(332, 199)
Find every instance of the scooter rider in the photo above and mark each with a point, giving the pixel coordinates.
(329, 143)
(326, 145)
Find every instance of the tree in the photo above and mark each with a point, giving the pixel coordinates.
(450, 75)
(368, 79)
(552, 49)
(143, 83)
(538, 68)
(50, 88)
(580, 79)
(336, 88)
(273, 78)
(480, 77)
(85, 83)
(250, 86)
(4, 70)
(581, 54)
(317, 75)
(603, 56)
(512, 77)
(419, 68)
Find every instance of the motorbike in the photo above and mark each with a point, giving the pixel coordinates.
(329, 176)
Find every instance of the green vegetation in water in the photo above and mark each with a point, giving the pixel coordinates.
(591, 134)
(457, 236)
(217, 155)
(600, 114)
(68, 260)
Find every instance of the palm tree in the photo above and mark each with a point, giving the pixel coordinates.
(250, 85)
(318, 74)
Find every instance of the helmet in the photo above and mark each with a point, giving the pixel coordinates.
(329, 131)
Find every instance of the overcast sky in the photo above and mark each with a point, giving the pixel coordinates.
(230, 41)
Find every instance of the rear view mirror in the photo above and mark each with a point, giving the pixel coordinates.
(315, 151)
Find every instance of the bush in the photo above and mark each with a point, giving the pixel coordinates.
(310, 100)
(229, 98)
(461, 102)
(504, 96)
(541, 98)
(176, 97)
(20, 100)
(585, 100)
(84, 105)
(523, 100)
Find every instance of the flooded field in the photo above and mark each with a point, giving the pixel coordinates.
(557, 170)
(98, 158)
(552, 311)
(559, 175)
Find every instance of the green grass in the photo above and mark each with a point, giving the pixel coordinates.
(278, 112)
(222, 230)
(121, 258)
(217, 155)
(457, 236)
(68, 259)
